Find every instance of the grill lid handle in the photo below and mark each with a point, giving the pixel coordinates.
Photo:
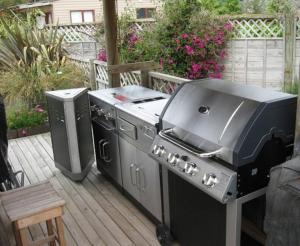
(165, 135)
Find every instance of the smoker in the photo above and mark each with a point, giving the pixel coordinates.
(217, 143)
(71, 135)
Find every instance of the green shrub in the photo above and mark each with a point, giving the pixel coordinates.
(23, 118)
(186, 39)
(291, 88)
(29, 87)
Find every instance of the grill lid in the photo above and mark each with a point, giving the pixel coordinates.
(212, 114)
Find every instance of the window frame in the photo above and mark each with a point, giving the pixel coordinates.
(82, 15)
(146, 12)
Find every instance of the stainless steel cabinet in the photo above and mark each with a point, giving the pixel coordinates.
(141, 178)
(128, 164)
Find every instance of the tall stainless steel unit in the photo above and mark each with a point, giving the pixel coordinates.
(217, 143)
(137, 124)
(69, 117)
(104, 123)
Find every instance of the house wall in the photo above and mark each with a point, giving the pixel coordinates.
(132, 5)
(62, 8)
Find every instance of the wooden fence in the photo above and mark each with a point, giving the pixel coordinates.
(264, 51)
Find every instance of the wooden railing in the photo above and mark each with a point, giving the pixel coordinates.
(139, 74)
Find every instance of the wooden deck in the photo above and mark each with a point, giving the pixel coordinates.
(95, 214)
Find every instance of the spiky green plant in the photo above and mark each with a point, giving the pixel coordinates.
(26, 47)
(28, 56)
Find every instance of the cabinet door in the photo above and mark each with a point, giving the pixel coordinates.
(149, 184)
(129, 167)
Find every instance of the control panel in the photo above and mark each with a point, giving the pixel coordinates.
(100, 109)
(206, 174)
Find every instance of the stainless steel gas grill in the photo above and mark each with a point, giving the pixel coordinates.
(217, 143)
(104, 122)
(138, 125)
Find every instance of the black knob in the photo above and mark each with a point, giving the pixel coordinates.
(184, 158)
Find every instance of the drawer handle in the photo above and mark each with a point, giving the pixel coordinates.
(138, 178)
(124, 130)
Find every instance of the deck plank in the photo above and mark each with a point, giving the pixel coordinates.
(95, 214)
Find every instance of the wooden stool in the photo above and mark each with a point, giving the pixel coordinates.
(31, 205)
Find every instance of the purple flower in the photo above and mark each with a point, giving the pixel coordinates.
(216, 75)
(171, 61)
(24, 132)
(161, 61)
(133, 39)
(39, 109)
(196, 68)
(189, 50)
(102, 56)
(223, 54)
(184, 35)
(228, 27)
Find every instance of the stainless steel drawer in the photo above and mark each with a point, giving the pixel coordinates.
(127, 128)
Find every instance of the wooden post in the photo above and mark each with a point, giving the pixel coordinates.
(145, 78)
(289, 48)
(297, 130)
(92, 75)
(111, 38)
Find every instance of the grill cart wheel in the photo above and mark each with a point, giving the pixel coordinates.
(163, 235)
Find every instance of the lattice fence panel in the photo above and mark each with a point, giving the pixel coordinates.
(101, 75)
(257, 28)
(130, 78)
(298, 27)
(78, 33)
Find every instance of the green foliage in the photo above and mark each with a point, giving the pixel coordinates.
(28, 86)
(254, 6)
(186, 39)
(281, 6)
(32, 61)
(23, 117)
(9, 3)
(291, 88)
(29, 47)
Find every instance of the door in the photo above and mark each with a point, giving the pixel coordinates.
(148, 180)
(84, 133)
(129, 168)
(107, 150)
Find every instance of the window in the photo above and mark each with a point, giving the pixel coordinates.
(144, 13)
(82, 16)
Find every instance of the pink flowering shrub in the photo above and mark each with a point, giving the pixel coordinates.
(102, 56)
(196, 56)
(186, 41)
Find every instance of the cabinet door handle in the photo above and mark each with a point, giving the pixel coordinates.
(100, 147)
(106, 156)
(138, 178)
(131, 176)
(142, 179)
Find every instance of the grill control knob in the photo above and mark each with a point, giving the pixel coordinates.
(100, 111)
(191, 169)
(173, 159)
(158, 150)
(210, 180)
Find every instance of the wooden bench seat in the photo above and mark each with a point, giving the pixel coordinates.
(31, 205)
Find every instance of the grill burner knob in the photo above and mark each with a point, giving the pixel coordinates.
(158, 150)
(210, 180)
(100, 111)
(173, 159)
(191, 169)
